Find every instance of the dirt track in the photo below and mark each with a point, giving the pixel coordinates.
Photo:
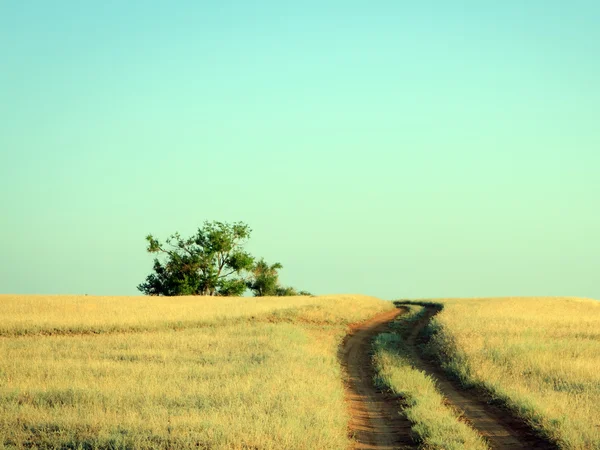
(375, 419)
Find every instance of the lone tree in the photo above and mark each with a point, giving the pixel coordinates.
(211, 262)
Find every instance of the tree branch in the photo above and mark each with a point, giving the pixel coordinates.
(227, 274)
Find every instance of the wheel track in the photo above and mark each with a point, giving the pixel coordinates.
(375, 419)
(376, 422)
(497, 425)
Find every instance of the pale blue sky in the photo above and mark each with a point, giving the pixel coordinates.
(396, 149)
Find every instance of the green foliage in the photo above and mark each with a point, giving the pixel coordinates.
(265, 278)
(264, 281)
(285, 291)
(210, 262)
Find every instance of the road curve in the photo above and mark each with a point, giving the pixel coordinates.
(376, 422)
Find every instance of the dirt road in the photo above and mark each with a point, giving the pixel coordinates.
(375, 419)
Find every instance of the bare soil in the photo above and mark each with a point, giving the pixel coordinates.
(376, 422)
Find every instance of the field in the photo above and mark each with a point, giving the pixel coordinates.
(248, 373)
(185, 372)
(538, 356)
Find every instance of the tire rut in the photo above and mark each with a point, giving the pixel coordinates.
(376, 422)
(497, 425)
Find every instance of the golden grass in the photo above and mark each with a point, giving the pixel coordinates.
(70, 314)
(435, 425)
(540, 356)
(187, 372)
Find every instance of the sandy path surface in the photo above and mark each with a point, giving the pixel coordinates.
(375, 420)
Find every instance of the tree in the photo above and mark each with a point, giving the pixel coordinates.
(211, 262)
(265, 279)
(286, 291)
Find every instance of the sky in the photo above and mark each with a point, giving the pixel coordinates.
(395, 149)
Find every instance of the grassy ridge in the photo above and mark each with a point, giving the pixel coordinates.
(435, 425)
(538, 356)
(51, 315)
(258, 380)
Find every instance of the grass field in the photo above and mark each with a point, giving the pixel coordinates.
(186, 372)
(539, 356)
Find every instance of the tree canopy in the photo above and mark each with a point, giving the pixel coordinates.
(211, 262)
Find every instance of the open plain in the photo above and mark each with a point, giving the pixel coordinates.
(330, 372)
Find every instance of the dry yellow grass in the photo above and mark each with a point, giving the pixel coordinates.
(188, 372)
(68, 314)
(541, 356)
